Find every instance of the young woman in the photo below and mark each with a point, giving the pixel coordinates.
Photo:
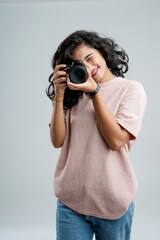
(96, 123)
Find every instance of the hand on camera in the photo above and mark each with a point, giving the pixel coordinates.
(88, 86)
(59, 79)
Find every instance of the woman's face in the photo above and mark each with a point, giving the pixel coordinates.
(95, 61)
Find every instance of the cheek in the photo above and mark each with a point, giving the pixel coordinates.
(101, 62)
(104, 65)
(97, 62)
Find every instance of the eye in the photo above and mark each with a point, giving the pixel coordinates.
(89, 58)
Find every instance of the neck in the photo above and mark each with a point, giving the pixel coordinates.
(108, 76)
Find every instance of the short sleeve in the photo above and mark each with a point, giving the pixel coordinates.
(132, 108)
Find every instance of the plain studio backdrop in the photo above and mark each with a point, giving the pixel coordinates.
(30, 34)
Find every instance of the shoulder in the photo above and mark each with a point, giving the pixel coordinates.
(129, 82)
(136, 84)
(132, 85)
(137, 87)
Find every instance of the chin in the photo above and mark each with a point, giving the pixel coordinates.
(98, 78)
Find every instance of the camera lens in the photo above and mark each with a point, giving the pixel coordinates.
(78, 74)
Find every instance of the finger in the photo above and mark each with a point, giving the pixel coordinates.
(68, 79)
(59, 66)
(69, 83)
(74, 86)
(58, 74)
(61, 73)
(59, 80)
(64, 84)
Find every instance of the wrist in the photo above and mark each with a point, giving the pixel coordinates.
(59, 91)
(59, 97)
(93, 88)
(94, 92)
(59, 94)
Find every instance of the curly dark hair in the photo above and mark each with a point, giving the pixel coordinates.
(115, 57)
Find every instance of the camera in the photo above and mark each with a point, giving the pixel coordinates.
(77, 71)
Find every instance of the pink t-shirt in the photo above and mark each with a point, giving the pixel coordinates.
(90, 178)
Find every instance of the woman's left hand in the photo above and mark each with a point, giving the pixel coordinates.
(88, 86)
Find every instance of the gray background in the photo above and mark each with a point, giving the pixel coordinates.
(30, 33)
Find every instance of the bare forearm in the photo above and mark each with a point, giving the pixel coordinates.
(108, 126)
(57, 125)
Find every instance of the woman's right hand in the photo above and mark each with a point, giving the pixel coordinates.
(59, 76)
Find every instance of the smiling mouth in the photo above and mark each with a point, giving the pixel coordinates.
(94, 72)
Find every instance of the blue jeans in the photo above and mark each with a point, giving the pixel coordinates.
(71, 225)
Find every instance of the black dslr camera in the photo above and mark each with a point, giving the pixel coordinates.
(77, 71)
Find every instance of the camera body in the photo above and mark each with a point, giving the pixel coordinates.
(77, 71)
